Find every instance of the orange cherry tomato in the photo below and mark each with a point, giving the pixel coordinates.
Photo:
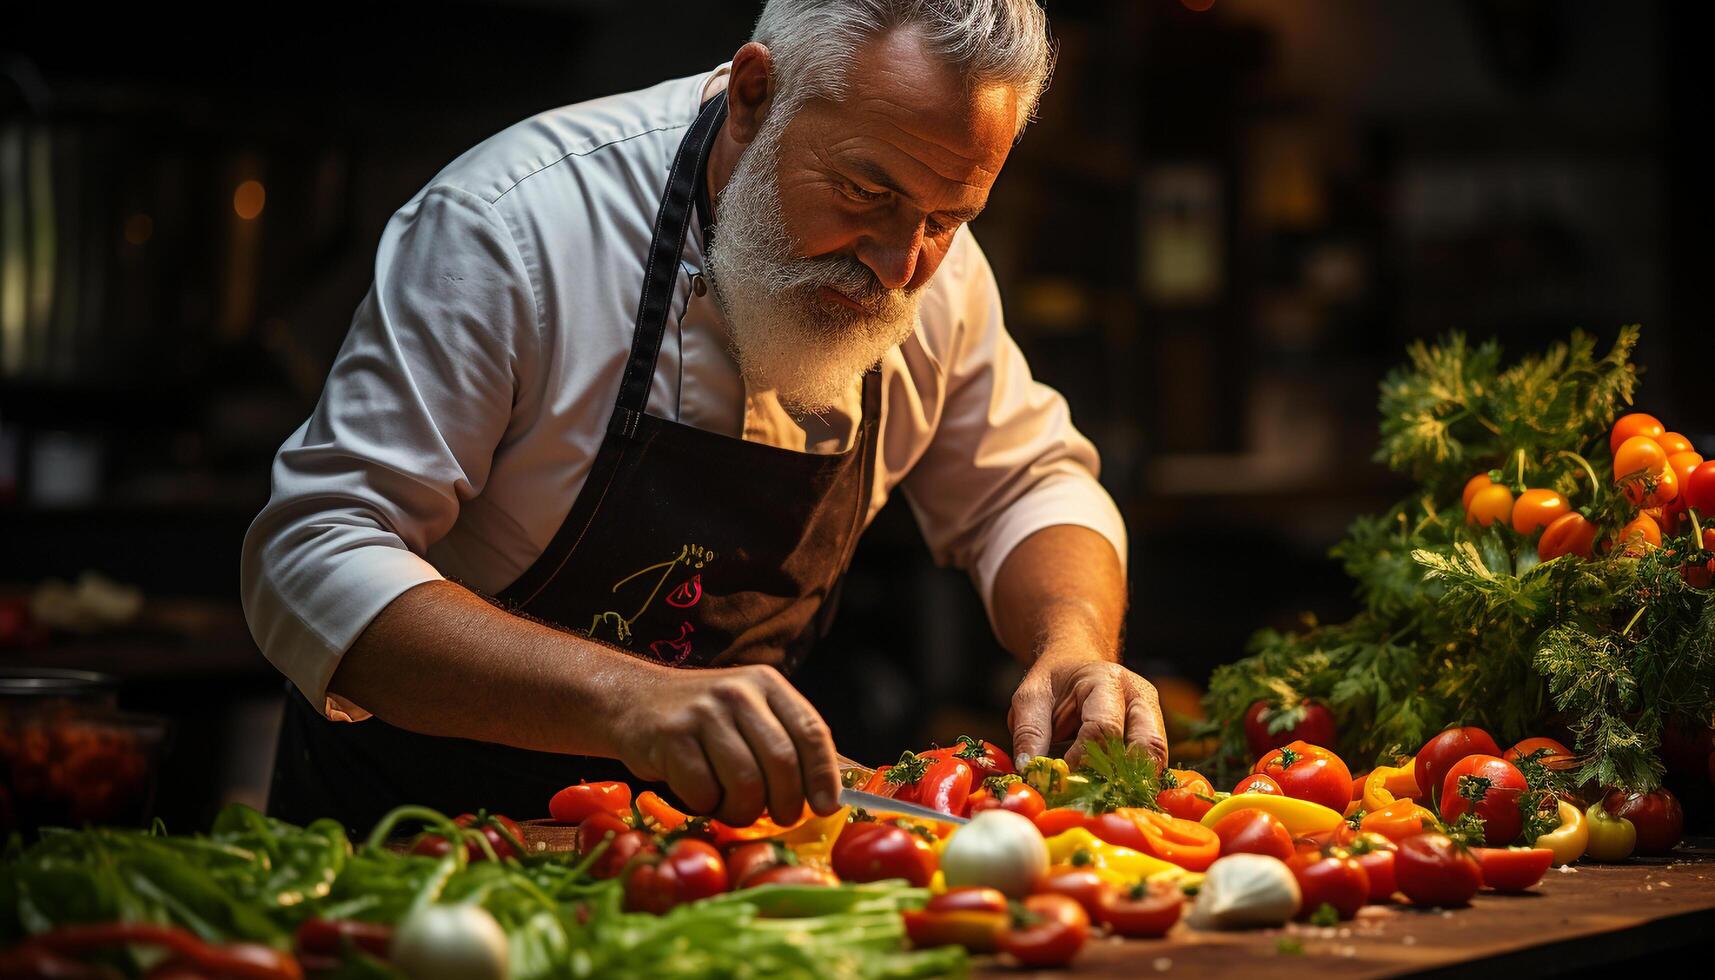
(1642, 534)
(1537, 509)
(1654, 493)
(1474, 484)
(1490, 504)
(1638, 454)
(1682, 464)
(1569, 534)
(1673, 442)
(1635, 424)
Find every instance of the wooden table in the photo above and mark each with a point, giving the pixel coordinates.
(1578, 918)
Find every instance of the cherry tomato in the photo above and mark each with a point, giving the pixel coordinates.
(1489, 786)
(1554, 755)
(1472, 486)
(596, 827)
(1659, 491)
(939, 782)
(1256, 782)
(1637, 537)
(1309, 772)
(1490, 504)
(1683, 465)
(1315, 725)
(1254, 832)
(792, 874)
(1699, 490)
(1081, 885)
(491, 826)
(574, 803)
(1375, 854)
(875, 851)
(1513, 869)
(1334, 880)
(1640, 457)
(1439, 753)
(1537, 509)
(1019, 798)
(970, 917)
(986, 759)
(1673, 442)
(969, 899)
(1146, 909)
(749, 859)
(1568, 534)
(1635, 424)
(1432, 870)
(1049, 933)
(623, 845)
(1189, 797)
(1657, 815)
(691, 869)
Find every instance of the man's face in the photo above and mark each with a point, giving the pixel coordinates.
(832, 222)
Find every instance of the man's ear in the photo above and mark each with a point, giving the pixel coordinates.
(749, 91)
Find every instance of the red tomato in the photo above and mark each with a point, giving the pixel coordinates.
(1473, 485)
(1432, 870)
(1635, 424)
(1316, 726)
(985, 758)
(1187, 803)
(968, 899)
(1309, 772)
(1673, 442)
(792, 874)
(1701, 575)
(875, 851)
(575, 803)
(1254, 832)
(938, 782)
(691, 869)
(1699, 492)
(624, 844)
(1256, 782)
(1334, 880)
(1549, 753)
(751, 858)
(1052, 930)
(1019, 798)
(1376, 854)
(1490, 786)
(1147, 909)
(1657, 816)
(1081, 885)
(1057, 821)
(1537, 509)
(1490, 504)
(1513, 869)
(491, 826)
(1569, 534)
(1439, 753)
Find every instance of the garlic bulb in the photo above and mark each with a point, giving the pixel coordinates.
(1242, 890)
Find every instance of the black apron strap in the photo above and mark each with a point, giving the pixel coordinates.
(672, 223)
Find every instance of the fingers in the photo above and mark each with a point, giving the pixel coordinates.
(689, 774)
(777, 756)
(1103, 710)
(818, 766)
(1144, 726)
(1031, 717)
(741, 782)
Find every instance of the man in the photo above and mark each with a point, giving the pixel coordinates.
(589, 429)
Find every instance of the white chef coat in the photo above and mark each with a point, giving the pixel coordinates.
(475, 386)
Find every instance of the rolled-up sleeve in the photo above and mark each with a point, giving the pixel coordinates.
(405, 430)
(1005, 460)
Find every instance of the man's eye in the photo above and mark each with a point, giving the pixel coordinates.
(935, 229)
(858, 193)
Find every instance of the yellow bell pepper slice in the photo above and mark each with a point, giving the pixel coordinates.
(1568, 840)
(1080, 847)
(1389, 784)
(813, 839)
(1300, 816)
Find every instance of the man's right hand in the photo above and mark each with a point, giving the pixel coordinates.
(730, 742)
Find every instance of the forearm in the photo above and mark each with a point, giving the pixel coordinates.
(1062, 584)
(442, 661)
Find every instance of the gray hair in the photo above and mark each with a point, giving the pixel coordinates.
(985, 41)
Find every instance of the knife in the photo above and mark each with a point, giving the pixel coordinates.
(876, 803)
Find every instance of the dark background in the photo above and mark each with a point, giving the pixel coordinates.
(1225, 227)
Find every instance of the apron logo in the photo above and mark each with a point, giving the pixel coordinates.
(689, 592)
(675, 651)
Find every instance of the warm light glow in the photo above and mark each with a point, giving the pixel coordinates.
(139, 228)
(1198, 5)
(248, 199)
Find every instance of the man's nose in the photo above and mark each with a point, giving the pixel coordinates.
(893, 258)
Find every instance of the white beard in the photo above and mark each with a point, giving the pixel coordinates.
(808, 349)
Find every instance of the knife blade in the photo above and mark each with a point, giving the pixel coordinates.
(881, 804)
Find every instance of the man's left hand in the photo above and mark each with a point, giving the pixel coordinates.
(1076, 694)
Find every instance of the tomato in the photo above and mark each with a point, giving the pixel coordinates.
(1490, 787)
(872, 851)
(1254, 832)
(1673, 442)
(624, 844)
(1256, 782)
(1701, 575)
(495, 828)
(1683, 465)
(1375, 854)
(1432, 870)
(1018, 798)
(792, 874)
(1146, 909)
(574, 803)
(691, 869)
(1537, 509)
(1490, 504)
(938, 782)
(1699, 491)
(1658, 492)
(986, 759)
(1309, 772)
(1188, 797)
(978, 930)
(1057, 821)
(1334, 880)
(1513, 869)
(1474, 484)
(1081, 885)
(1310, 722)
(1568, 534)
(969, 899)
(1049, 933)
(1642, 534)
(1439, 753)
(1639, 459)
(1635, 424)
(746, 860)
(1546, 751)
(1657, 815)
